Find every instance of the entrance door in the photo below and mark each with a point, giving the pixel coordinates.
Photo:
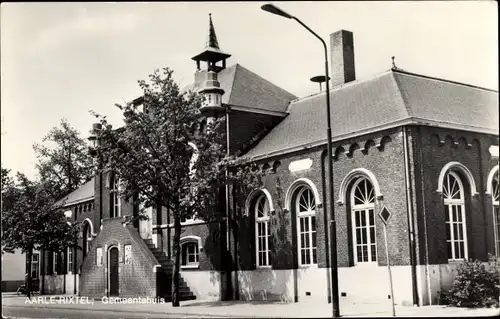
(113, 272)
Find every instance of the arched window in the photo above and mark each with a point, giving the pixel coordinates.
(87, 238)
(495, 197)
(262, 231)
(189, 254)
(115, 198)
(363, 221)
(305, 206)
(454, 209)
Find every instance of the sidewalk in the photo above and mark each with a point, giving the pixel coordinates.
(263, 309)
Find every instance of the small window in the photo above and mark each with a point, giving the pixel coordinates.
(115, 198)
(70, 260)
(35, 258)
(189, 255)
(54, 262)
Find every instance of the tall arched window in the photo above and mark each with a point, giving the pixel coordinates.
(495, 197)
(305, 206)
(115, 197)
(262, 231)
(87, 238)
(363, 221)
(454, 209)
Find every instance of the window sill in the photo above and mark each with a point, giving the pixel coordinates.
(367, 264)
(308, 266)
(190, 267)
(456, 261)
(263, 267)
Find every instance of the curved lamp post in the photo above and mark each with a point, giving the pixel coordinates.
(333, 240)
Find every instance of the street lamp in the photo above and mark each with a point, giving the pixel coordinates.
(333, 240)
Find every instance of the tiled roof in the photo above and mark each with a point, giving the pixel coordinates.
(245, 88)
(81, 194)
(390, 98)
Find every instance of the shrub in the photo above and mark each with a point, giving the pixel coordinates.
(476, 285)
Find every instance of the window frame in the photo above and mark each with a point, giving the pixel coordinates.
(364, 209)
(495, 201)
(448, 204)
(35, 264)
(264, 220)
(116, 205)
(307, 215)
(196, 253)
(69, 260)
(55, 256)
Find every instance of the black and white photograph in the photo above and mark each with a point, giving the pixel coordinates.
(282, 159)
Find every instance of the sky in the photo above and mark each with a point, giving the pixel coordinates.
(61, 60)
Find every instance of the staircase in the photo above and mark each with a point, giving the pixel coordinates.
(164, 277)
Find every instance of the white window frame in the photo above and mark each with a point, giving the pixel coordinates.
(449, 203)
(54, 262)
(365, 208)
(495, 199)
(195, 264)
(115, 192)
(307, 215)
(70, 260)
(35, 264)
(262, 220)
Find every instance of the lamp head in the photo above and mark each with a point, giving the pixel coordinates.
(275, 10)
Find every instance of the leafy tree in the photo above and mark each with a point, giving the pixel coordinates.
(475, 285)
(156, 162)
(63, 161)
(33, 221)
(6, 178)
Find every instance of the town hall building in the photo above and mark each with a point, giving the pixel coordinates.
(423, 148)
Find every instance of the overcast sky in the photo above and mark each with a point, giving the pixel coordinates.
(62, 60)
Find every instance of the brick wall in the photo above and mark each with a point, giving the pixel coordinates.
(385, 162)
(433, 148)
(212, 244)
(135, 279)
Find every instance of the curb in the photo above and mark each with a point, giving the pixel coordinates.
(148, 311)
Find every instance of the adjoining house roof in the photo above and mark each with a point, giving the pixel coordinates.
(81, 194)
(392, 98)
(245, 88)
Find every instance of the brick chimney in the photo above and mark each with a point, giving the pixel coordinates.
(342, 57)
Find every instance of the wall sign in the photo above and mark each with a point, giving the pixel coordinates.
(128, 254)
(300, 165)
(99, 256)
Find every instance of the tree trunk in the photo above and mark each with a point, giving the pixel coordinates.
(177, 259)
(28, 284)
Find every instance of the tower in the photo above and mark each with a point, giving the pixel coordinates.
(210, 89)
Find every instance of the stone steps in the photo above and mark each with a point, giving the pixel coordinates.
(166, 275)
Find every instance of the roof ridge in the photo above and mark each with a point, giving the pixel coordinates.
(342, 86)
(233, 81)
(441, 79)
(264, 79)
(409, 113)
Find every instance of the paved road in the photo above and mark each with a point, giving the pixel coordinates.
(34, 312)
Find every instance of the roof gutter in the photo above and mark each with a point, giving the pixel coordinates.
(397, 123)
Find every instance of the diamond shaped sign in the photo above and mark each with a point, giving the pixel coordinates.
(384, 215)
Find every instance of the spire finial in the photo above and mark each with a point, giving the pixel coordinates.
(394, 63)
(212, 37)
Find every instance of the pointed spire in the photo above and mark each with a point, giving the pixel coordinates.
(212, 37)
(212, 53)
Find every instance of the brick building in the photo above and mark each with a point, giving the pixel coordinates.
(424, 148)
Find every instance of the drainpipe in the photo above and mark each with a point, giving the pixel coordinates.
(411, 225)
(424, 212)
(481, 197)
(325, 218)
